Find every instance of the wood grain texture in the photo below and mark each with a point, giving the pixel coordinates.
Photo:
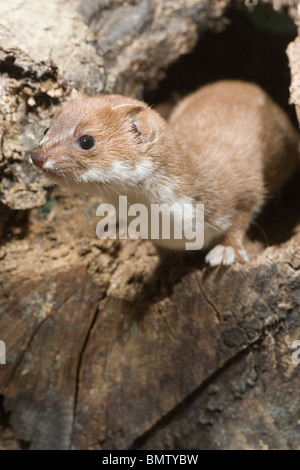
(195, 349)
(158, 357)
(45, 325)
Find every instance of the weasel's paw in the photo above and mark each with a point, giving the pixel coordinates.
(225, 255)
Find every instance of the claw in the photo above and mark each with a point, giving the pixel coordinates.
(225, 255)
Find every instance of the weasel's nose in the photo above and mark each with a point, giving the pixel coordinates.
(37, 158)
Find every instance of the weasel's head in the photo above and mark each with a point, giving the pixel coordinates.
(106, 139)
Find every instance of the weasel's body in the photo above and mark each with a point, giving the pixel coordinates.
(227, 146)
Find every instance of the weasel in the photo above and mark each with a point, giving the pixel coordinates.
(227, 146)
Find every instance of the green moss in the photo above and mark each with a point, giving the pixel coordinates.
(265, 19)
(46, 209)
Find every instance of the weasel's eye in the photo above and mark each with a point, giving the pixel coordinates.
(86, 142)
(46, 130)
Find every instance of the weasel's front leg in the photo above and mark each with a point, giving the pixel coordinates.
(232, 248)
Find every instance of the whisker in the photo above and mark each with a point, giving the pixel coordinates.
(262, 232)
(107, 186)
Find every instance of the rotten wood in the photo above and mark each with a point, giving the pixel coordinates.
(193, 346)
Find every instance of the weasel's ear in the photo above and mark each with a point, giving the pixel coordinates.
(75, 94)
(142, 123)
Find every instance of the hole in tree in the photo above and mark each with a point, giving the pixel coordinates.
(252, 48)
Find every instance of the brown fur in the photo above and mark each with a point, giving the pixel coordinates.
(245, 147)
